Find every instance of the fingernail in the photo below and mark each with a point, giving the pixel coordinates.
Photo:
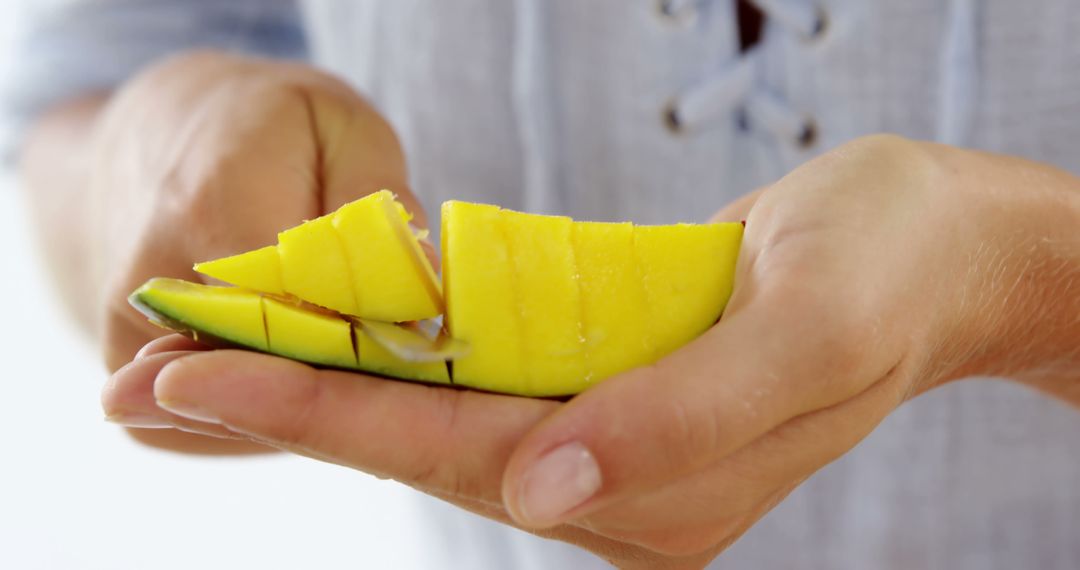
(137, 420)
(559, 481)
(189, 411)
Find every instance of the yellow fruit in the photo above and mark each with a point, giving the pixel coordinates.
(482, 307)
(688, 272)
(208, 313)
(231, 317)
(314, 267)
(259, 270)
(393, 279)
(305, 335)
(547, 306)
(615, 315)
(362, 260)
(543, 275)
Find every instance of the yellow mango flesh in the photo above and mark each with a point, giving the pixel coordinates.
(393, 279)
(688, 272)
(314, 267)
(482, 308)
(305, 335)
(547, 306)
(225, 313)
(362, 260)
(378, 360)
(551, 306)
(614, 309)
(544, 281)
(259, 270)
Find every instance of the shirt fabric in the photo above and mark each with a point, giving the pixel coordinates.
(564, 106)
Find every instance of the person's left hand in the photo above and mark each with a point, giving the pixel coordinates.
(866, 277)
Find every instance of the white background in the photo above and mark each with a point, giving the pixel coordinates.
(76, 493)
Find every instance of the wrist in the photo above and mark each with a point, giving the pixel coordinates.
(1021, 297)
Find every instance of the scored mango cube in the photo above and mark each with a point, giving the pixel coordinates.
(392, 278)
(544, 275)
(614, 311)
(688, 274)
(481, 304)
(314, 267)
(309, 336)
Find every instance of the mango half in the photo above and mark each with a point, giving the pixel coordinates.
(548, 306)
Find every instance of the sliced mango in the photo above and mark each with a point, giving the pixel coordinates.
(393, 279)
(206, 312)
(688, 272)
(232, 317)
(305, 335)
(481, 299)
(378, 360)
(547, 306)
(362, 260)
(615, 315)
(314, 267)
(544, 274)
(259, 270)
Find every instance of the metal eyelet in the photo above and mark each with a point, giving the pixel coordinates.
(680, 12)
(821, 24)
(808, 134)
(672, 121)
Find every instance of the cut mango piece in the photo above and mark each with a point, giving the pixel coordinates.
(688, 272)
(259, 270)
(207, 313)
(481, 302)
(362, 260)
(305, 335)
(232, 317)
(394, 280)
(548, 302)
(377, 360)
(546, 306)
(314, 267)
(615, 316)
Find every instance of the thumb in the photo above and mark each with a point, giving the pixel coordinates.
(765, 363)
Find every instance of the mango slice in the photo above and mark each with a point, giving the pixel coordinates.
(550, 306)
(390, 273)
(259, 270)
(481, 299)
(308, 336)
(688, 272)
(544, 275)
(232, 317)
(314, 267)
(378, 360)
(205, 312)
(362, 260)
(547, 306)
(615, 314)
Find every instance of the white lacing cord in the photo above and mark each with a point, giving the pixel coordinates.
(723, 94)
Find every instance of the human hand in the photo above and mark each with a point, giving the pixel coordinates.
(866, 277)
(207, 155)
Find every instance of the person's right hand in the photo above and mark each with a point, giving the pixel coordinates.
(207, 155)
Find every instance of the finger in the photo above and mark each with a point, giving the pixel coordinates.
(449, 440)
(777, 356)
(738, 210)
(128, 399)
(705, 504)
(170, 343)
